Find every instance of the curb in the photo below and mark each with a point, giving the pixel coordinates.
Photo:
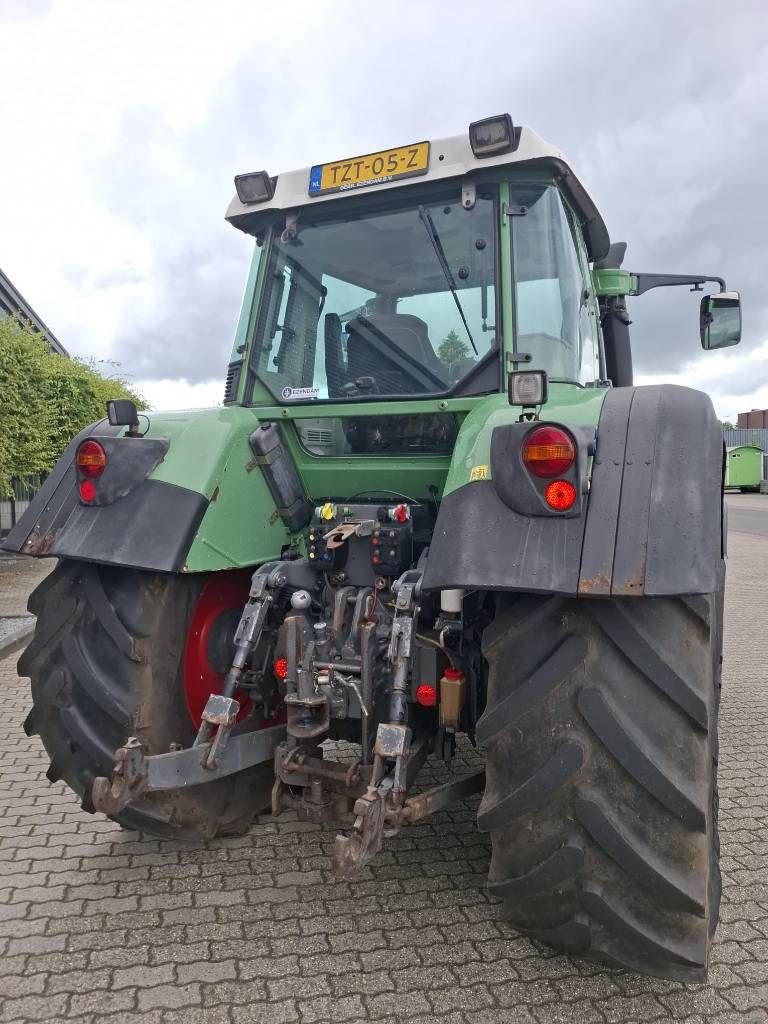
(17, 641)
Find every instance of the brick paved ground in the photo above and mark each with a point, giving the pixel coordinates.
(17, 577)
(101, 925)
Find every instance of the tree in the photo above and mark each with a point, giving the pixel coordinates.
(45, 399)
(452, 350)
(727, 425)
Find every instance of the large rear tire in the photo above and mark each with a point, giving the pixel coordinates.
(601, 795)
(106, 663)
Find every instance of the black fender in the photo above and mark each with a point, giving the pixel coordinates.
(652, 524)
(135, 521)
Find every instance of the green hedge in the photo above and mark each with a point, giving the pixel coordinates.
(45, 399)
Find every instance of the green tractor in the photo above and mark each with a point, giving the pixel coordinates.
(433, 503)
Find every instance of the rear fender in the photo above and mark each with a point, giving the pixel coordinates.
(652, 524)
(187, 497)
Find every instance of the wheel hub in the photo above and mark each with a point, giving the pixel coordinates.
(210, 642)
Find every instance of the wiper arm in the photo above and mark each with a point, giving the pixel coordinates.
(426, 219)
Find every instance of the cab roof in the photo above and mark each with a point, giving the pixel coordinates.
(449, 158)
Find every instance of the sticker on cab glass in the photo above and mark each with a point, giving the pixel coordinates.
(480, 473)
(299, 394)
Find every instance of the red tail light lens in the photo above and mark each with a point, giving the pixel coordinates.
(548, 451)
(426, 695)
(87, 490)
(91, 460)
(560, 495)
(280, 667)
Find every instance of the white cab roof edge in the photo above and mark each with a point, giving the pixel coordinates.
(449, 158)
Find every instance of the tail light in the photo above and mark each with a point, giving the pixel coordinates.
(280, 667)
(91, 460)
(426, 695)
(87, 490)
(560, 495)
(548, 452)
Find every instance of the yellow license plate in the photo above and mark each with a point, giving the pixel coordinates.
(373, 169)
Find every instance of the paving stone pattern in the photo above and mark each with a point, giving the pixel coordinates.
(102, 925)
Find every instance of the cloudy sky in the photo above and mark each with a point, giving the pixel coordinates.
(123, 125)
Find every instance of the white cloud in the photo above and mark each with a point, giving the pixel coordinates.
(126, 122)
(74, 73)
(170, 395)
(735, 380)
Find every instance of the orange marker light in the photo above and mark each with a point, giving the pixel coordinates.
(548, 451)
(91, 459)
(560, 495)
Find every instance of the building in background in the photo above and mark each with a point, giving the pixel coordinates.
(13, 302)
(754, 419)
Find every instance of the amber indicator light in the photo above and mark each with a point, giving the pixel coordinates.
(548, 451)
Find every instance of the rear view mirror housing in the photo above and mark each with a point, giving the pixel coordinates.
(720, 320)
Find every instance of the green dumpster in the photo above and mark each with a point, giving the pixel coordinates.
(744, 467)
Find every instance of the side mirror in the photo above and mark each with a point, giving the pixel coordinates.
(720, 320)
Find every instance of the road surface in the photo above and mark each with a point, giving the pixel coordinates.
(104, 926)
(748, 513)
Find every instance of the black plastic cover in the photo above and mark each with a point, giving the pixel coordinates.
(481, 542)
(148, 524)
(130, 460)
(520, 489)
(660, 450)
(281, 476)
(653, 524)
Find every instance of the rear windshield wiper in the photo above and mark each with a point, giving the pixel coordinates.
(426, 219)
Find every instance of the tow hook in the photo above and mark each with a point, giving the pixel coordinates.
(377, 817)
(129, 779)
(136, 773)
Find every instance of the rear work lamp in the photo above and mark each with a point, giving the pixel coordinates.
(528, 387)
(493, 135)
(256, 187)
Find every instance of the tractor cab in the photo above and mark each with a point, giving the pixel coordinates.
(370, 285)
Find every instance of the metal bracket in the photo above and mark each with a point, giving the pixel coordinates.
(515, 358)
(218, 720)
(378, 817)
(352, 852)
(135, 773)
(512, 211)
(468, 194)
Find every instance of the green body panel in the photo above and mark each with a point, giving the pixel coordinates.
(744, 466)
(609, 282)
(327, 476)
(209, 453)
(568, 404)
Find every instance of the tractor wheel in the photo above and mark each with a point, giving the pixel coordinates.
(601, 760)
(120, 652)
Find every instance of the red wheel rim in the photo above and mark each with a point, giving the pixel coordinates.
(220, 595)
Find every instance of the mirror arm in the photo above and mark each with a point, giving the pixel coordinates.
(647, 281)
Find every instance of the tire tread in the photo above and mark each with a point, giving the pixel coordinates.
(615, 858)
